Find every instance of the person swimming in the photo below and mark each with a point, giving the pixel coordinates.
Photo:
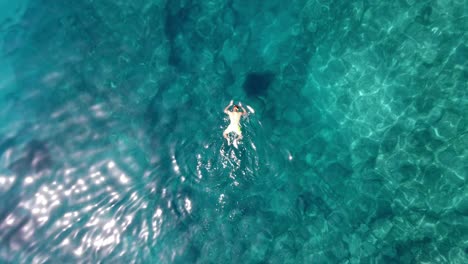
(234, 126)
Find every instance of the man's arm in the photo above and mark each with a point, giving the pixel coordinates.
(243, 109)
(227, 107)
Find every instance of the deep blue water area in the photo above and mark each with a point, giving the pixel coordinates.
(354, 149)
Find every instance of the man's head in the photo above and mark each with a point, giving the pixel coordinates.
(235, 108)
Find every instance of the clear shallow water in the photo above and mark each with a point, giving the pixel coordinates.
(111, 146)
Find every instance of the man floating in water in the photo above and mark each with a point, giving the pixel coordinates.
(234, 126)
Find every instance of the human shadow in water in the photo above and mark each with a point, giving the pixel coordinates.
(258, 83)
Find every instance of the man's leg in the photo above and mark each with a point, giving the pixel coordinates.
(236, 140)
(226, 136)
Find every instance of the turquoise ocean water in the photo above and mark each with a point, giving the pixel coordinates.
(354, 151)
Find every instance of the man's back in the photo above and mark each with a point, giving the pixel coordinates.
(234, 117)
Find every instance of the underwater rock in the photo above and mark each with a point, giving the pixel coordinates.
(174, 25)
(308, 202)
